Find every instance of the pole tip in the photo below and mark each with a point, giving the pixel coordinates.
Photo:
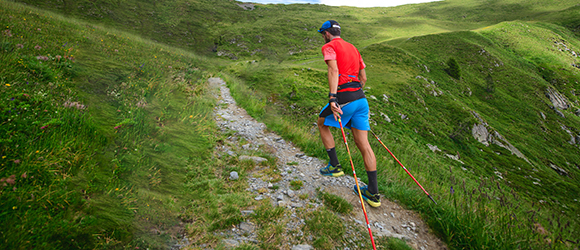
(432, 199)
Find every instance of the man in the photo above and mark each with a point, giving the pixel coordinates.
(347, 101)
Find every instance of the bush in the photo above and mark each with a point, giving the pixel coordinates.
(453, 70)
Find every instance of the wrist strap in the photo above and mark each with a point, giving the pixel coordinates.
(331, 94)
(333, 99)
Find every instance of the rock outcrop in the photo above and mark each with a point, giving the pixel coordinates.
(481, 133)
(558, 100)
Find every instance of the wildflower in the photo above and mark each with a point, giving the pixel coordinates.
(7, 85)
(116, 50)
(27, 95)
(20, 46)
(58, 57)
(452, 190)
(169, 67)
(117, 127)
(37, 47)
(191, 116)
(14, 207)
(24, 175)
(16, 161)
(44, 127)
(39, 29)
(11, 180)
(37, 151)
(7, 33)
(3, 157)
(116, 189)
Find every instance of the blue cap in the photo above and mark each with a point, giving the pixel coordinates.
(329, 24)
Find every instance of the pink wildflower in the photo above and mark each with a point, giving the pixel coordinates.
(20, 46)
(16, 161)
(39, 29)
(117, 127)
(7, 33)
(11, 180)
(58, 57)
(37, 47)
(43, 127)
(24, 175)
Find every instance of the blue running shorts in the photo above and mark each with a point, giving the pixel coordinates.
(355, 114)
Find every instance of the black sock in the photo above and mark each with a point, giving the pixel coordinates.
(332, 155)
(373, 185)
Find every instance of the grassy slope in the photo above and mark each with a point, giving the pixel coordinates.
(116, 172)
(394, 66)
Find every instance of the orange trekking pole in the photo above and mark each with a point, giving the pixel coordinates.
(357, 186)
(403, 167)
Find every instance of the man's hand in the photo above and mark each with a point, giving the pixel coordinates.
(336, 111)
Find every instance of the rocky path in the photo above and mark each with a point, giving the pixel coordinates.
(390, 219)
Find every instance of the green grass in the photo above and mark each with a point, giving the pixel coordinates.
(101, 140)
(336, 203)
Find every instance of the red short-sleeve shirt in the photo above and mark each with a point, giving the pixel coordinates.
(347, 57)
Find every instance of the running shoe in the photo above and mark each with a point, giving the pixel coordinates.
(329, 170)
(372, 199)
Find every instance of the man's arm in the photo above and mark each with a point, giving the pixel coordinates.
(333, 86)
(332, 75)
(362, 76)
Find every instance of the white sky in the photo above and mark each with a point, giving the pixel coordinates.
(355, 3)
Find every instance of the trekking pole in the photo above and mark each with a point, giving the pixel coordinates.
(357, 186)
(403, 167)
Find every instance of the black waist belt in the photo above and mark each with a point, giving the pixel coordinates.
(349, 86)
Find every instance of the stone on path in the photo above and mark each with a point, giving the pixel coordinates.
(302, 247)
(255, 159)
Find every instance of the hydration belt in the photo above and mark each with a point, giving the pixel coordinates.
(349, 87)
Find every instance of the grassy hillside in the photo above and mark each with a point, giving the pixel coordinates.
(101, 132)
(119, 90)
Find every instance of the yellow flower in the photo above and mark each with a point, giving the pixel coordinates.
(7, 85)
(14, 207)
(3, 156)
(191, 116)
(37, 151)
(116, 189)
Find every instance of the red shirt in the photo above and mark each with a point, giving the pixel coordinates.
(348, 60)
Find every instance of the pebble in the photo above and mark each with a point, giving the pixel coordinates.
(234, 175)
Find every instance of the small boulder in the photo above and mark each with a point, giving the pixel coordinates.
(234, 175)
(302, 247)
(560, 170)
(255, 159)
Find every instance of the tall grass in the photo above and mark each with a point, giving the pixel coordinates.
(100, 130)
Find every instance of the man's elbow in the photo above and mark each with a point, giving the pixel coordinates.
(363, 78)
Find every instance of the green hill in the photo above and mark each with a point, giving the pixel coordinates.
(129, 77)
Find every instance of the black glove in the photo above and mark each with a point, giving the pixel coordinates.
(331, 100)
